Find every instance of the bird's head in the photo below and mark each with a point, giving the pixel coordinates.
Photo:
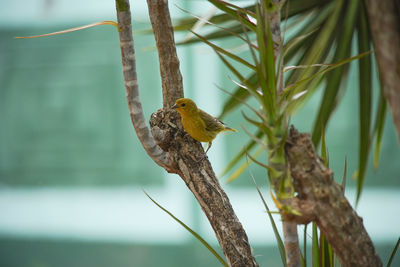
(185, 106)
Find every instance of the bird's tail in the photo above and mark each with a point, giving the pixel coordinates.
(230, 129)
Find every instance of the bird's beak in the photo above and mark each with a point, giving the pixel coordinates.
(174, 106)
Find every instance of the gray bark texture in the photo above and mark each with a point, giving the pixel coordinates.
(199, 177)
(322, 200)
(168, 144)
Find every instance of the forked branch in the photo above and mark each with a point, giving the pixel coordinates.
(176, 151)
(132, 89)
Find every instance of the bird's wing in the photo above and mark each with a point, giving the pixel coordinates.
(212, 124)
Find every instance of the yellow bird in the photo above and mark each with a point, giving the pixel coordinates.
(197, 123)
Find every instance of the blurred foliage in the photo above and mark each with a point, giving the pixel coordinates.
(319, 37)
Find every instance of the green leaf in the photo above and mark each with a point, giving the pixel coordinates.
(243, 166)
(304, 258)
(239, 95)
(316, 24)
(324, 150)
(225, 52)
(326, 252)
(393, 253)
(292, 8)
(261, 116)
(344, 174)
(294, 43)
(260, 125)
(294, 101)
(275, 229)
(232, 31)
(379, 125)
(188, 23)
(365, 99)
(270, 66)
(260, 163)
(315, 246)
(236, 13)
(335, 77)
(255, 138)
(244, 11)
(331, 256)
(320, 47)
(233, 14)
(208, 246)
(261, 68)
(252, 90)
(241, 154)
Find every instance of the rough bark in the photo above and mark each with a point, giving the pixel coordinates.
(291, 242)
(169, 63)
(322, 200)
(199, 177)
(384, 21)
(176, 151)
(131, 86)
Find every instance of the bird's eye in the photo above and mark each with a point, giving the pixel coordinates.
(183, 105)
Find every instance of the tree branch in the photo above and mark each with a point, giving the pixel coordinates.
(335, 217)
(384, 21)
(132, 89)
(169, 63)
(170, 136)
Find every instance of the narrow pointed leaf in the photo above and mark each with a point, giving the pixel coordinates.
(261, 116)
(297, 7)
(256, 139)
(239, 95)
(248, 147)
(312, 82)
(107, 22)
(249, 87)
(297, 41)
(315, 246)
(225, 52)
(344, 174)
(331, 256)
(261, 68)
(260, 163)
(261, 126)
(379, 125)
(275, 229)
(365, 99)
(234, 13)
(317, 25)
(243, 166)
(393, 253)
(324, 150)
(208, 246)
(304, 262)
(232, 31)
(270, 67)
(334, 78)
(320, 47)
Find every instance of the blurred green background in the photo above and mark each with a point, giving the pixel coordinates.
(72, 170)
